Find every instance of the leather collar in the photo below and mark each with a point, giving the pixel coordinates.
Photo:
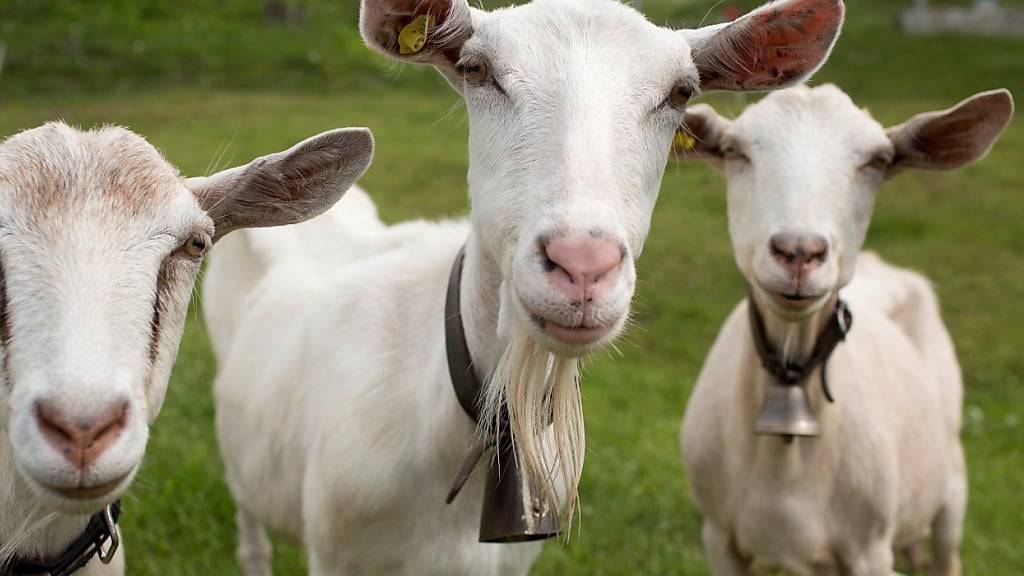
(503, 518)
(102, 528)
(460, 363)
(792, 373)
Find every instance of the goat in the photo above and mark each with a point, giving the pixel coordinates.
(336, 413)
(100, 243)
(887, 467)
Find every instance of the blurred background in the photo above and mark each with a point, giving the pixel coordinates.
(214, 83)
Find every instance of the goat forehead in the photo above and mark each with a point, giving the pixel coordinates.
(55, 172)
(802, 122)
(559, 37)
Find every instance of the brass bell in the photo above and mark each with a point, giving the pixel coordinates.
(513, 511)
(786, 412)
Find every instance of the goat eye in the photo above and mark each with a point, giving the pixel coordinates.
(476, 73)
(680, 96)
(196, 246)
(878, 163)
(730, 152)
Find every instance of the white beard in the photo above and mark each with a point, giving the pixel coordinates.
(545, 416)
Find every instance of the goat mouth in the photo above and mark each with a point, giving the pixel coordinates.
(576, 334)
(796, 301)
(89, 492)
(575, 338)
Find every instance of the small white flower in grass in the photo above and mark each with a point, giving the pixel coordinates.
(975, 416)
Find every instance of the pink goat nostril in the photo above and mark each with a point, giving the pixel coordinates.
(582, 267)
(798, 254)
(81, 439)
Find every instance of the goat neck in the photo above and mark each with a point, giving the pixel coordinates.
(795, 339)
(480, 306)
(794, 356)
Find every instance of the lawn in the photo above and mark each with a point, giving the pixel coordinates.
(965, 230)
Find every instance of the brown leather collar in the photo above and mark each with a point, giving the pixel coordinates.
(791, 373)
(101, 528)
(503, 518)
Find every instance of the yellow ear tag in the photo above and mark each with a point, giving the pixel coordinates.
(413, 36)
(684, 142)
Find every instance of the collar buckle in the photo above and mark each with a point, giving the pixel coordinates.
(107, 556)
(843, 318)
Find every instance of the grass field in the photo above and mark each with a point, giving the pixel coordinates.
(965, 230)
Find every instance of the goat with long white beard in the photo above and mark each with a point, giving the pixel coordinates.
(100, 243)
(336, 412)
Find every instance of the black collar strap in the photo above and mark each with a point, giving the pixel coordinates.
(793, 374)
(503, 518)
(102, 528)
(460, 364)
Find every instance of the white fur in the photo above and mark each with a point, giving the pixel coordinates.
(335, 411)
(888, 470)
(96, 283)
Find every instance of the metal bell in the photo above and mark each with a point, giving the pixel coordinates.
(512, 511)
(786, 412)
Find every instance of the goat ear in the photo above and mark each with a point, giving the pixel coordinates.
(775, 46)
(286, 187)
(418, 31)
(700, 136)
(951, 138)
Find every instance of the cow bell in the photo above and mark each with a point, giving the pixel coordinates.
(513, 512)
(786, 412)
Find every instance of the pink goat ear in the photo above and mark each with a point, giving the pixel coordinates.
(775, 46)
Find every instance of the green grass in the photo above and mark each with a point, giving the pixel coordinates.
(963, 229)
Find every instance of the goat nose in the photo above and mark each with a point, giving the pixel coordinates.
(583, 267)
(81, 439)
(799, 254)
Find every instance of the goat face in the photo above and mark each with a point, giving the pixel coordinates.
(100, 244)
(803, 167)
(566, 142)
(572, 106)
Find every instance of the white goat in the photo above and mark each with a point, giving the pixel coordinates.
(803, 167)
(335, 409)
(100, 243)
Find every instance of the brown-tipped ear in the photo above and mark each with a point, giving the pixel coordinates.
(286, 187)
(951, 138)
(419, 31)
(700, 136)
(778, 45)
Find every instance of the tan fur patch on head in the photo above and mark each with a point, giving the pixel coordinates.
(55, 169)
